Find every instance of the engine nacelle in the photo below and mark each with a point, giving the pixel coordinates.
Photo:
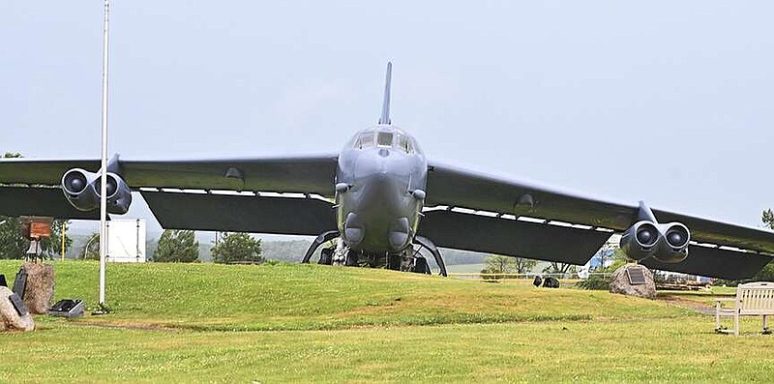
(673, 247)
(82, 189)
(77, 186)
(119, 195)
(641, 240)
(667, 243)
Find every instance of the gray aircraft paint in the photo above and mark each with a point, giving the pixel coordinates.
(380, 182)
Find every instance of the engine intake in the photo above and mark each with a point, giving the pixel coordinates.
(82, 189)
(77, 187)
(674, 247)
(667, 243)
(640, 240)
(119, 195)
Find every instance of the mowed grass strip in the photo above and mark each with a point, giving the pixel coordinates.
(312, 297)
(617, 351)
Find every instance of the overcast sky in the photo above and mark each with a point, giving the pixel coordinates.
(665, 101)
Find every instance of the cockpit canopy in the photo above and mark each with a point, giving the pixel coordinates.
(385, 138)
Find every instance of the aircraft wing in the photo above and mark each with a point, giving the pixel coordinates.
(220, 194)
(312, 174)
(521, 213)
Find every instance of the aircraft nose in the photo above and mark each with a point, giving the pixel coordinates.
(372, 163)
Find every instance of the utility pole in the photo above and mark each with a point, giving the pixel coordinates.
(103, 171)
(64, 234)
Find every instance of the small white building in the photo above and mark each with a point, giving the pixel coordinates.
(126, 241)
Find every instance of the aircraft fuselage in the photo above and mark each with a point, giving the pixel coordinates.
(380, 189)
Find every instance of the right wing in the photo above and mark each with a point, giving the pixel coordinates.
(511, 217)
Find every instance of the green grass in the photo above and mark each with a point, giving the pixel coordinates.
(312, 297)
(307, 323)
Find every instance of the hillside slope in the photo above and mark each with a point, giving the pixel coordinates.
(294, 296)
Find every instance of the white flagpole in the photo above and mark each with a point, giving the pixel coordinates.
(103, 235)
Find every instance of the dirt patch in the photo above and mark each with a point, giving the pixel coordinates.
(692, 304)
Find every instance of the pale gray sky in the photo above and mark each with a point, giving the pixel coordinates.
(665, 101)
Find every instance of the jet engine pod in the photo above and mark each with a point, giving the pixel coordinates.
(119, 195)
(674, 248)
(77, 187)
(640, 240)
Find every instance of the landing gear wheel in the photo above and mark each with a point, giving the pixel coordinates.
(326, 256)
(352, 259)
(394, 261)
(421, 266)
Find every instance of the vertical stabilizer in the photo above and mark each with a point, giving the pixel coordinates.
(385, 119)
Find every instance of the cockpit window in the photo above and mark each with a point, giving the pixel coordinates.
(404, 144)
(396, 140)
(365, 140)
(384, 139)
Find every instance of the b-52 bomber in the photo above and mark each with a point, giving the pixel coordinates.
(379, 201)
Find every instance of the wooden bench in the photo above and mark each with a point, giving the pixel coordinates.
(752, 299)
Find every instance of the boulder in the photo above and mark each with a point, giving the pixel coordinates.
(550, 282)
(40, 287)
(620, 283)
(9, 317)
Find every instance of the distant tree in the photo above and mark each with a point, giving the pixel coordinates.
(498, 265)
(555, 267)
(523, 265)
(767, 273)
(501, 264)
(235, 247)
(12, 244)
(150, 247)
(768, 218)
(177, 246)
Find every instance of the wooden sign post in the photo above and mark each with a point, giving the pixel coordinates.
(34, 229)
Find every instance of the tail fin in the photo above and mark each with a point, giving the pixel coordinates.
(385, 119)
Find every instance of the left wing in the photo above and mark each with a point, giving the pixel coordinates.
(220, 194)
(312, 174)
(521, 213)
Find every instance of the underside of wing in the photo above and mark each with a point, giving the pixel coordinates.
(715, 262)
(31, 201)
(744, 250)
(243, 212)
(512, 237)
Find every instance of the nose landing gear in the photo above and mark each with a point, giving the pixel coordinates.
(410, 260)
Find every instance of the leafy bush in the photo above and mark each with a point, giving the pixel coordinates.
(595, 282)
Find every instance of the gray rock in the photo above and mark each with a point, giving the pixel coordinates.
(9, 318)
(619, 282)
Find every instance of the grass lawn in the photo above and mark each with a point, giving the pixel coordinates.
(307, 323)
